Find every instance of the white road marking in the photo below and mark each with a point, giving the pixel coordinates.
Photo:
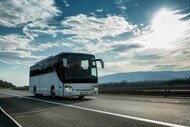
(19, 116)
(27, 113)
(10, 117)
(103, 112)
(165, 101)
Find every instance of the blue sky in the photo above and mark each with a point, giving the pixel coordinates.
(129, 35)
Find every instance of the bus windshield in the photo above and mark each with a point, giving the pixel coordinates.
(81, 68)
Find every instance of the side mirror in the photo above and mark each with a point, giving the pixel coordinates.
(64, 62)
(101, 61)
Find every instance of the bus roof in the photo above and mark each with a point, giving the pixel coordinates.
(72, 53)
(62, 53)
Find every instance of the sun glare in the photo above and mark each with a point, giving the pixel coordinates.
(167, 27)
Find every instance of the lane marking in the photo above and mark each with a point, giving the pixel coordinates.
(10, 117)
(21, 116)
(165, 101)
(27, 113)
(100, 111)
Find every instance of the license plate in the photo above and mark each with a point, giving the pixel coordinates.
(83, 92)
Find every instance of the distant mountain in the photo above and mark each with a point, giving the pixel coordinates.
(142, 76)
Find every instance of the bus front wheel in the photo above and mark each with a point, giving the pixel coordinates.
(81, 97)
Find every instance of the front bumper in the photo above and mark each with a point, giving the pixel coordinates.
(81, 93)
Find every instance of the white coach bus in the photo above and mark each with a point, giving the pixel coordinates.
(65, 74)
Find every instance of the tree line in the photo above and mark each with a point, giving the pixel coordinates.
(169, 83)
(174, 87)
(5, 84)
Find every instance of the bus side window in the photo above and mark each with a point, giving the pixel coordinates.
(31, 71)
(35, 70)
(54, 62)
(40, 68)
(47, 66)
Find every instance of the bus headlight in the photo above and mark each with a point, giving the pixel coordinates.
(96, 88)
(68, 88)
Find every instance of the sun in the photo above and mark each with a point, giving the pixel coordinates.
(165, 20)
(167, 27)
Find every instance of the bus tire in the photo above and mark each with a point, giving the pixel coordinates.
(81, 97)
(35, 94)
(52, 92)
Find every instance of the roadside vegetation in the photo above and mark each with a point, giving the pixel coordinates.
(161, 88)
(175, 87)
(21, 88)
(5, 84)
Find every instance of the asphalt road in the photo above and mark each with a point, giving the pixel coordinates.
(100, 111)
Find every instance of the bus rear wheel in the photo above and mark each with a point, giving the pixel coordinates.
(52, 92)
(81, 97)
(35, 94)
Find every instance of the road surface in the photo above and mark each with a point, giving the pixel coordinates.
(100, 111)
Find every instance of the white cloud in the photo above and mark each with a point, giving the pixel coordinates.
(122, 67)
(16, 12)
(99, 10)
(13, 42)
(166, 37)
(122, 6)
(31, 14)
(17, 49)
(66, 4)
(88, 27)
(88, 31)
(93, 48)
(18, 57)
(42, 46)
(167, 28)
(103, 46)
(31, 28)
(48, 45)
(167, 33)
(13, 49)
(165, 46)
